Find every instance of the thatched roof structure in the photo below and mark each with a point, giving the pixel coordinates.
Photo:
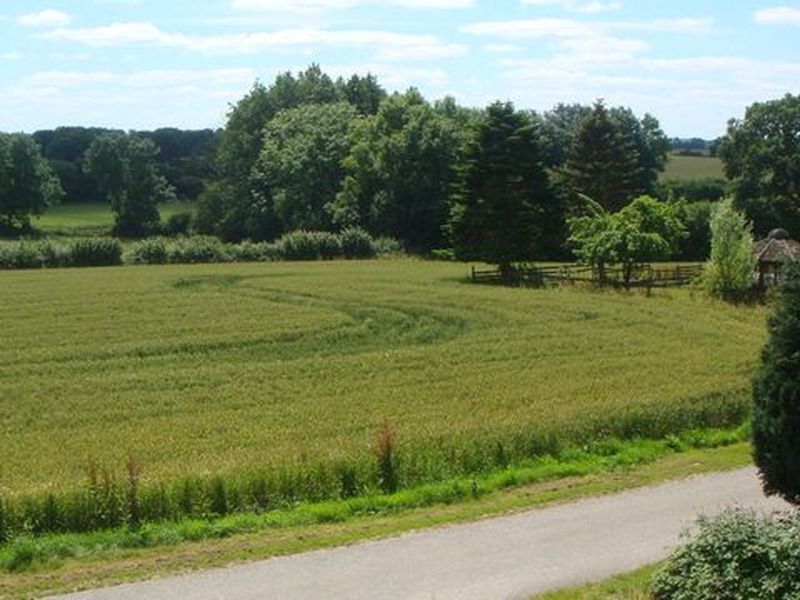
(778, 248)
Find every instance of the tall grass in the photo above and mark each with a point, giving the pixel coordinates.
(27, 551)
(105, 502)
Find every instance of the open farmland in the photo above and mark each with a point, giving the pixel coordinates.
(91, 217)
(692, 168)
(219, 369)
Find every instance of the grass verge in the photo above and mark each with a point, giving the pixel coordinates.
(630, 586)
(50, 564)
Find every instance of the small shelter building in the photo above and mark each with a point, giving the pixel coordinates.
(772, 254)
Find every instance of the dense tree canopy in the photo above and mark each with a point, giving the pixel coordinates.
(27, 183)
(503, 201)
(399, 172)
(762, 156)
(126, 171)
(299, 170)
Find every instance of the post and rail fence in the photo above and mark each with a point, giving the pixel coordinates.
(642, 276)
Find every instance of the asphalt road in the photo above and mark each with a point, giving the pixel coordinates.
(512, 556)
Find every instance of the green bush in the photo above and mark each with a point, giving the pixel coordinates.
(96, 252)
(385, 246)
(300, 245)
(330, 246)
(35, 255)
(178, 224)
(776, 396)
(198, 249)
(730, 271)
(252, 252)
(356, 243)
(736, 556)
(152, 251)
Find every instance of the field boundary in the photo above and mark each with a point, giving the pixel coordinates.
(644, 276)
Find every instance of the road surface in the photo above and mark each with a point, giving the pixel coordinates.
(511, 556)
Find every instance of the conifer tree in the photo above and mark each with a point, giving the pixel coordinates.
(776, 396)
(603, 162)
(502, 202)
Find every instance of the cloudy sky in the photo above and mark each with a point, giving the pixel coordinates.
(150, 63)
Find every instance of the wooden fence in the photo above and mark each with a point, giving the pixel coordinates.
(642, 276)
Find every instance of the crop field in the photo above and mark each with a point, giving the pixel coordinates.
(691, 168)
(198, 370)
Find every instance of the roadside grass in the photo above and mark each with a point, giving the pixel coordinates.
(91, 218)
(630, 586)
(690, 168)
(62, 563)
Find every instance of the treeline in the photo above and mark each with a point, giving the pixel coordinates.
(186, 158)
(308, 152)
(313, 153)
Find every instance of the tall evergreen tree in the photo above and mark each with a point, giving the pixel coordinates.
(776, 397)
(603, 162)
(502, 200)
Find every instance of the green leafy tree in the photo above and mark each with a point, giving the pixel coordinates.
(299, 170)
(762, 158)
(399, 172)
(126, 170)
(645, 230)
(604, 162)
(776, 396)
(502, 200)
(364, 93)
(27, 183)
(729, 272)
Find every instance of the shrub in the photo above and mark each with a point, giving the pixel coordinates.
(33, 255)
(152, 251)
(198, 249)
(736, 556)
(300, 245)
(386, 246)
(252, 252)
(96, 252)
(776, 396)
(178, 224)
(356, 243)
(330, 246)
(729, 272)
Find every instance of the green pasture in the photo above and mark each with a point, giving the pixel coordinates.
(198, 370)
(91, 218)
(690, 168)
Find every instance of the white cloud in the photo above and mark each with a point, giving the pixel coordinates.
(140, 79)
(779, 15)
(594, 6)
(45, 18)
(558, 27)
(501, 48)
(11, 56)
(315, 6)
(385, 45)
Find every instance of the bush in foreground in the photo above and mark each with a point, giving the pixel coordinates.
(736, 556)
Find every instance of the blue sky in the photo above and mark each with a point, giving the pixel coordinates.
(147, 63)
